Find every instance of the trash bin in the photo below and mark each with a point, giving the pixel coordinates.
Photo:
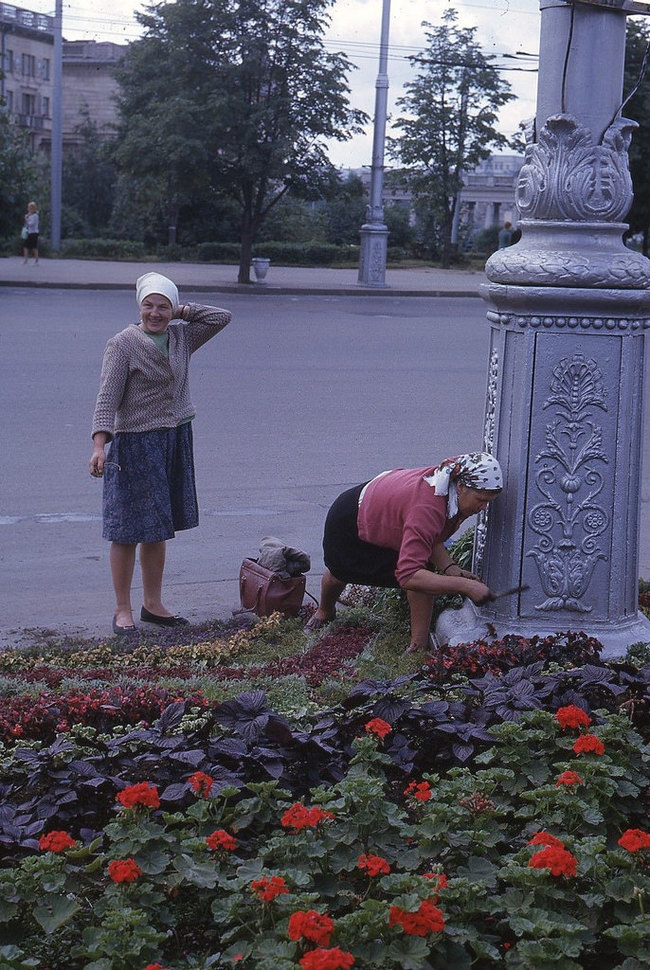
(260, 267)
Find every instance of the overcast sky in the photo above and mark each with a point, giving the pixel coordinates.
(504, 27)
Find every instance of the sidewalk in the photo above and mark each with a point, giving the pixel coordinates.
(99, 274)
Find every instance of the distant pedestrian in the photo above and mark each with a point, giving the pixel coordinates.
(30, 244)
(391, 532)
(505, 235)
(145, 411)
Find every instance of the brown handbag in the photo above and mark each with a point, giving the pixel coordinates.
(264, 592)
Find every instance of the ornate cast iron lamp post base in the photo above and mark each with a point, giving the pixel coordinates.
(568, 308)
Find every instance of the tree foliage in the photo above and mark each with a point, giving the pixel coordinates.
(451, 122)
(232, 99)
(637, 88)
(89, 178)
(19, 176)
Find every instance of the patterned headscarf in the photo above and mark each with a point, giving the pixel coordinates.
(476, 470)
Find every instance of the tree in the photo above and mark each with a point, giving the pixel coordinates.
(18, 176)
(637, 89)
(233, 99)
(346, 210)
(452, 110)
(89, 178)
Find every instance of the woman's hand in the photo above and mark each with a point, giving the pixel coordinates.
(478, 592)
(467, 575)
(98, 457)
(453, 570)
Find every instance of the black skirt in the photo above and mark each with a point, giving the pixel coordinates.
(349, 558)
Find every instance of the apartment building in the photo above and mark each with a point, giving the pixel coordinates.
(26, 77)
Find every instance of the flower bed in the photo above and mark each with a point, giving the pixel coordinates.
(486, 808)
(545, 859)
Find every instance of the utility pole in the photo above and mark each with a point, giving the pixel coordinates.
(56, 150)
(374, 233)
(569, 307)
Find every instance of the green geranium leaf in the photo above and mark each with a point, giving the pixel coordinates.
(519, 925)
(13, 954)
(55, 913)
(202, 874)
(621, 888)
(7, 911)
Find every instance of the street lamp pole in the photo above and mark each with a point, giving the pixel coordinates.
(56, 149)
(374, 233)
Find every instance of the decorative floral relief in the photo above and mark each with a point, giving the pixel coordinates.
(569, 520)
(566, 176)
(480, 534)
(627, 270)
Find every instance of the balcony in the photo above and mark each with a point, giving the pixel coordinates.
(35, 122)
(26, 18)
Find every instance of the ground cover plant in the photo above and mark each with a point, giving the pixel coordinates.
(248, 795)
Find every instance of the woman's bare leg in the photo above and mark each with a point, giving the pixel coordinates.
(152, 565)
(421, 606)
(122, 559)
(330, 590)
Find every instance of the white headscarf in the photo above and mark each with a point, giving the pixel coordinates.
(155, 283)
(476, 470)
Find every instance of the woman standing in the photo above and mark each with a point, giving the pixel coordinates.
(391, 532)
(144, 411)
(31, 240)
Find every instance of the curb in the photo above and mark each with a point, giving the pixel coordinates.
(254, 289)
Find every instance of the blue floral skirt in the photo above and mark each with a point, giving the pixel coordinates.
(149, 486)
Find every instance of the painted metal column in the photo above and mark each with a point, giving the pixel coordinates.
(56, 150)
(568, 307)
(374, 233)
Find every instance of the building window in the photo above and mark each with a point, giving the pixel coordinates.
(9, 62)
(29, 65)
(45, 106)
(45, 69)
(29, 104)
(9, 95)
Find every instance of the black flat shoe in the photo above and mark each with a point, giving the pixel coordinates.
(148, 617)
(123, 631)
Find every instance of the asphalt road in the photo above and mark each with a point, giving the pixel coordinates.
(300, 397)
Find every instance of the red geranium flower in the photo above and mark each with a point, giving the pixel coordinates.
(634, 840)
(201, 783)
(440, 878)
(379, 727)
(141, 794)
(299, 817)
(558, 861)
(313, 926)
(421, 791)
(374, 865)
(155, 966)
(220, 839)
(124, 870)
(334, 959)
(568, 778)
(572, 717)
(543, 838)
(56, 842)
(268, 887)
(427, 919)
(588, 744)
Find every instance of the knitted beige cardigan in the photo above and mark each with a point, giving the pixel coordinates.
(141, 389)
